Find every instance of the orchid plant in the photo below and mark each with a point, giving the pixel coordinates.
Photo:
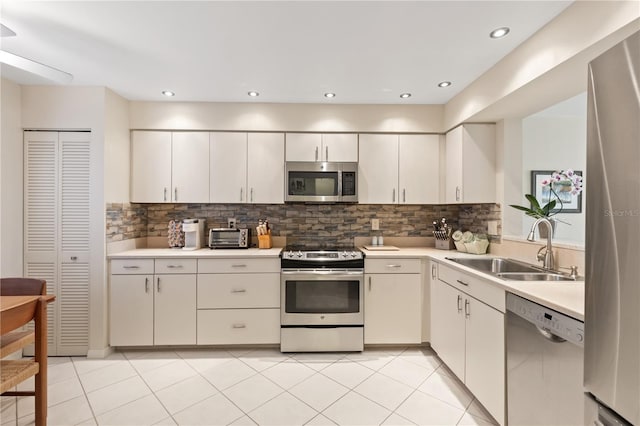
(562, 181)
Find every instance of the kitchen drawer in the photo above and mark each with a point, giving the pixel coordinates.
(176, 266)
(239, 290)
(238, 326)
(238, 265)
(482, 290)
(392, 266)
(131, 266)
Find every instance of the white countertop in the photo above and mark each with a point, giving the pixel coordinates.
(566, 297)
(204, 253)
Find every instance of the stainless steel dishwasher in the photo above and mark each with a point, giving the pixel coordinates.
(544, 365)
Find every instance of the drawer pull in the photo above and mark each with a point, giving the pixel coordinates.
(394, 266)
(131, 267)
(239, 265)
(463, 283)
(175, 266)
(238, 326)
(240, 290)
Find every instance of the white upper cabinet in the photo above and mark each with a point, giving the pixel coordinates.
(419, 169)
(169, 167)
(378, 169)
(341, 147)
(150, 167)
(265, 168)
(471, 164)
(190, 167)
(399, 169)
(228, 168)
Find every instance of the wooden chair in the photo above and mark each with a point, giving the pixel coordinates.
(13, 372)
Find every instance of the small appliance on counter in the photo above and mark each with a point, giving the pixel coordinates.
(193, 233)
(175, 235)
(229, 238)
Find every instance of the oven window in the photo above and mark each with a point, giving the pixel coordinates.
(330, 297)
(313, 183)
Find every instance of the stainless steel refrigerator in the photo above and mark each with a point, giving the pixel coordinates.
(612, 305)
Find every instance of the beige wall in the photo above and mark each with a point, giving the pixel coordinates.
(11, 181)
(117, 161)
(286, 117)
(548, 67)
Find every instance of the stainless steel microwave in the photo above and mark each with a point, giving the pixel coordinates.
(321, 182)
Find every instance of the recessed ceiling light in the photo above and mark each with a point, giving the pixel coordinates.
(499, 32)
(168, 93)
(329, 95)
(253, 94)
(444, 84)
(405, 95)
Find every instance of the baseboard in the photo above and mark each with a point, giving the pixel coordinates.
(100, 353)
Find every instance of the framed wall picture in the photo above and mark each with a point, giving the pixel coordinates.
(570, 203)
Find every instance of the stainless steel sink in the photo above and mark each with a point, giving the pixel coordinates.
(495, 265)
(510, 269)
(535, 276)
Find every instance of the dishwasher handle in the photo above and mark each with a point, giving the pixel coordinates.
(550, 336)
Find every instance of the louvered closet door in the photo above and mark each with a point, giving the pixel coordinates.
(41, 215)
(56, 202)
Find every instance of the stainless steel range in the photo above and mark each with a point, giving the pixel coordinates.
(322, 300)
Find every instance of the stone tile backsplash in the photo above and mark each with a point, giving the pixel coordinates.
(301, 224)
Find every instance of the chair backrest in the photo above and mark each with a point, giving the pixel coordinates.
(22, 287)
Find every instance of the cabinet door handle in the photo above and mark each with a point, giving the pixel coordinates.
(326, 153)
(158, 284)
(240, 290)
(146, 285)
(317, 153)
(433, 271)
(393, 198)
(175, 191)
(165, 194)
(457, 193)
(459, 303)
(239, 265)
(239, 326)
(240, 194)
(463, 283)
(74, 257)
(252, 195)
(404, 195)
(394, 266)
(131, 267)
(369, 283)
(467, 309)
(174, 266)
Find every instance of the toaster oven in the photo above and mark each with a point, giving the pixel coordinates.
(229, 238)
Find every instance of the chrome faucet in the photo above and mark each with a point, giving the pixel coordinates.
(547, 261)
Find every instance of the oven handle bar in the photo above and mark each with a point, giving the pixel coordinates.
(323, 271)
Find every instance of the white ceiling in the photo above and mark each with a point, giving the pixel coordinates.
(365, 52)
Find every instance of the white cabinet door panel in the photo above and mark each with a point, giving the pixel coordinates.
(131, 310)
(448, 326)
(190, 167)
(378, 169)
(453, 181)
(265, 164)
(150, 166)
(419, 169)
(175, 310)
(342, 147)
(238, 291)
(238, 326)
(303, 147)
(228, 168)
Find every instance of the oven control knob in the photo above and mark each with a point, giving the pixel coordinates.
(344, 254)
(299, 254)
(289, 254)
(354, 254)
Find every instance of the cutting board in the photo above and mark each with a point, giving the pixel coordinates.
(382, 248)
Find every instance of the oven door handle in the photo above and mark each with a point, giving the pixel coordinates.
(321, 272)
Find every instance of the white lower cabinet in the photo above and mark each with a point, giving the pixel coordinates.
(238, 301)
(468, 335)
(392, 301)
(152, 309)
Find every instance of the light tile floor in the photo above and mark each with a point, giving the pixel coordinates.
(389, 386)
